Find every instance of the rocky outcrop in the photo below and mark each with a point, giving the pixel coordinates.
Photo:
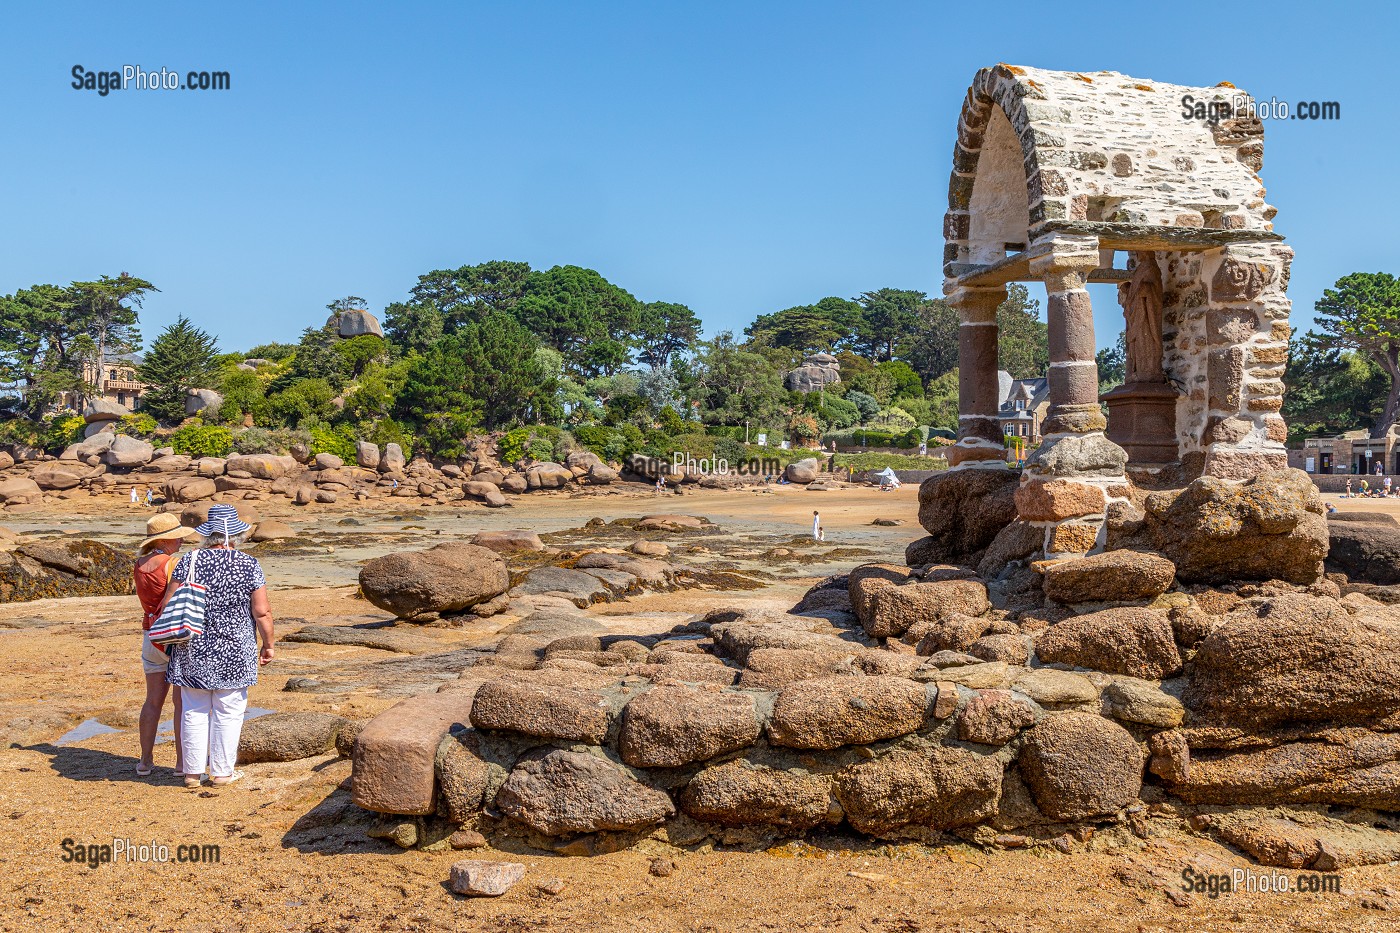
(1296, 659)
(1131, 641)
(355, 322)
(127, 453)
(1112, 576)
(1216, 530)
(198, 401)
(834, 711)
(449, 578)
(1365, 546)
(817, 371)
(1079, 766)
(803, 471)
(288, 736)
(962, 511)
(63, 568)
(261, 466)
(557, 792)
(738, 793)
(946, 788)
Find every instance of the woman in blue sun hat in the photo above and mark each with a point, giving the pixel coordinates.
(215, 669)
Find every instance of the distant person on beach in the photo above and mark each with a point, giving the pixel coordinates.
(818, 533)
(1347, 494)
(154, 564)
(1331, 509)
(660, 484)
(150, 497)
(134, 498)
(214, 670)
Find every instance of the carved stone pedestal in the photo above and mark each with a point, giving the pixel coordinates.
(1142, 420)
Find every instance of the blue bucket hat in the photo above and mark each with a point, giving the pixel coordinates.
(223, 520)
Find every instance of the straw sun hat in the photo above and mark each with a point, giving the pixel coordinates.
(164, 526)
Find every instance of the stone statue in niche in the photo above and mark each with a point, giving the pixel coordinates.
(1142, 313)
(1142, 411)
(1236, 280)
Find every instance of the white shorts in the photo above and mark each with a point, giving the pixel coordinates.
(153, 660)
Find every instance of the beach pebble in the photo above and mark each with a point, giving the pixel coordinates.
(477, 878)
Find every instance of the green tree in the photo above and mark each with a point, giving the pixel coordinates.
(1330, 391)
(244, 394)
(735, 385)
(821, 327)
(888, 314)
(1023, 339)
(582, 315)
(942, 395)
(931, 346)
(40, 344)
(106, 311)
(467, 294)
(277, 352)
(358, 352)
(1362, 313)
(180, 358)
(1112, 363)
(484, 375)
(664, 330)
(348, 303)
(867, 406)
(303, 403)
(413, 326)
(315, 358)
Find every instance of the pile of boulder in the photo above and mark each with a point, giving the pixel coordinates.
(110, 463)
(1026, 703)
(475, 579)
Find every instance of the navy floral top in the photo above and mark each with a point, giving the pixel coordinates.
(225, 657)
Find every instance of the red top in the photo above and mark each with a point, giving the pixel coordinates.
(152, 575)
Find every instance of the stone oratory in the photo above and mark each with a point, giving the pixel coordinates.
(1067, 179)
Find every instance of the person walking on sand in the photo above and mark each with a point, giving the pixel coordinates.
(214, 670)
(818, 533)
(660, 484)
(154, 564)
(134, 498)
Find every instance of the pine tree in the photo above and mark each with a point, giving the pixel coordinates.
(181, 358)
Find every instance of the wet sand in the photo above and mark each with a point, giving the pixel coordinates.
(293, 855)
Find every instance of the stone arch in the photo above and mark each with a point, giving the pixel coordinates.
(989, 202)
(1053, 174)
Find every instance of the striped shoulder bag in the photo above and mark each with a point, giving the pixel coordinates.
(183, 616)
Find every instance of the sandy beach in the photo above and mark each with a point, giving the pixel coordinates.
(292, 853)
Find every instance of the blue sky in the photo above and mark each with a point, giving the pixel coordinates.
(736, 157)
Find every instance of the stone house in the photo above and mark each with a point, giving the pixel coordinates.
(1352, 453)
(1022, 405)
(115, 380)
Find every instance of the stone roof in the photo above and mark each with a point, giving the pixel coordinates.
(1045, 152)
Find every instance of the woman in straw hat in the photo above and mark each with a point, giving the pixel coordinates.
(164, 535)
(214, 670)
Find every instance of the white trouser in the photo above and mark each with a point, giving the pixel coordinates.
(210, 727)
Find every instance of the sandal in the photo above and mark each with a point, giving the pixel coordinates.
(192, 782)
(144, 770)
(229, 779)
